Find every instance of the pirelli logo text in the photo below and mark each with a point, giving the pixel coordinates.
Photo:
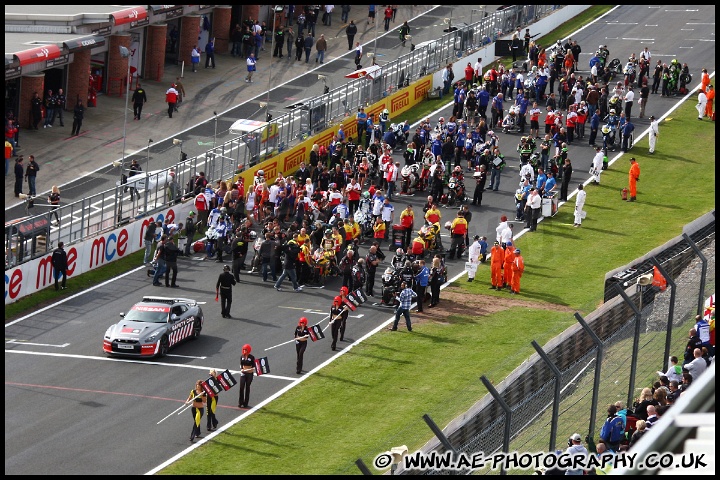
(421, 89)
(351, 130)
(375, 112)
(292, 162)
(271, 170)
(325, 139)
(400, 102)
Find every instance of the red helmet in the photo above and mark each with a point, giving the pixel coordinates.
(302, 321)
(199, 246)
(337, 300)
(247, 347)
(344, 290)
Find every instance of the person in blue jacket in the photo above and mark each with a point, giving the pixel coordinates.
(421, 282)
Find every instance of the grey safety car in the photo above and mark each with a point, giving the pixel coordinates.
(153, 326)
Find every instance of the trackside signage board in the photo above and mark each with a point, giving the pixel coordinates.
(87, 255)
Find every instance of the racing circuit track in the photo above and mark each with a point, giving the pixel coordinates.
(71, 410)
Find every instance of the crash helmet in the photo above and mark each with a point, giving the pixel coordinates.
(328, 231)
(302, 321)
(261, 173)
(344, 290)
(332, 186)
(457, 169)
(223, 209)
(491, 133)
(253, 235)
(441, 119)
(534, 68)
(612, 111)
(386, 112)
(674, 61)
(337, 300)
(366, 194)
(606, 129)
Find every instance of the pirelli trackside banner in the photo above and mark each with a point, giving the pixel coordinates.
(289, 161)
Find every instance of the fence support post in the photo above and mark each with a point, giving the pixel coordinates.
(636, 342)
(439, 434)
(508, 416)
(362, 467)
(598, 370)
(82, 218)
(671, 312)
(556, 402)
(703, 275)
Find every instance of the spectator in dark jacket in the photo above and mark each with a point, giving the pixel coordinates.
(59, 263)
(307, 45)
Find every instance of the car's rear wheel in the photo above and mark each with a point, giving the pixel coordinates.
(197, 328)
(164, 346)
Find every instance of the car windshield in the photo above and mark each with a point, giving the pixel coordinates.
(148, 314)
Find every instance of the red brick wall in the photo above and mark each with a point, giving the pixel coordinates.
(251, 11)
(29, 85)
(117, 65)
(222, 25)
(78, 78)
(188, 37)
(155, 52)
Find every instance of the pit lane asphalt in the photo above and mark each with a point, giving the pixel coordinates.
(69, 409)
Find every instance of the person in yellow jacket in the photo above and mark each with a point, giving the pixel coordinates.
(407, 220)
(379, 229)
(303, 237)
(417, 248)
(458, 229)
(433, 214)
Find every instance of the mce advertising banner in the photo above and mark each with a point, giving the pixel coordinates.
(87, 255)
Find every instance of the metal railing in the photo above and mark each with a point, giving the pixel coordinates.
(103, 211)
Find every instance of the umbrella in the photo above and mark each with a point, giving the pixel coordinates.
(372, 71)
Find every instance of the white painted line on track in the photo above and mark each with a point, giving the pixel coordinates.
(22, 342)
(138, 361)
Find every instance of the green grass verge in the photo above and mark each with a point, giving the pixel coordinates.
(376, 387)
(358, 404)
(74, 285)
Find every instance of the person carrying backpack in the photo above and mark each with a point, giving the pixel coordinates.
(612, 431)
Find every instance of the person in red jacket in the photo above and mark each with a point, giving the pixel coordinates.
(469, 72)
(407, 220)
(10, 132)
(171, 97)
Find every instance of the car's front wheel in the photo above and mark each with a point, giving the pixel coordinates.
(164, 346)
(197, 328)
